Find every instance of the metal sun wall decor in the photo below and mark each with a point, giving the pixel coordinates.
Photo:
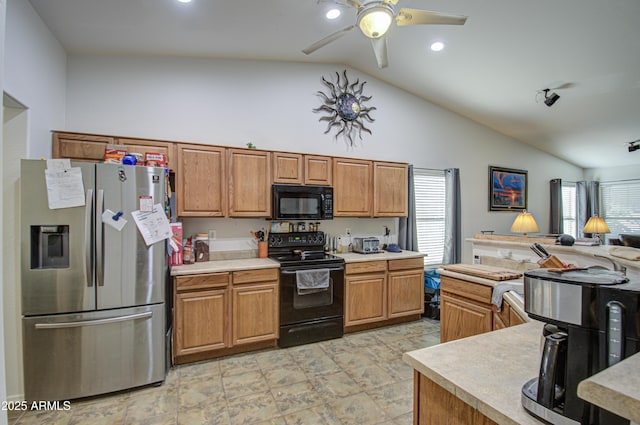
(345, 107)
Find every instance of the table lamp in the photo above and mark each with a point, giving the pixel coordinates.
(524, 223)
(596, 226)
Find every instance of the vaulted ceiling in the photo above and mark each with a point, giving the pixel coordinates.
(491, 69)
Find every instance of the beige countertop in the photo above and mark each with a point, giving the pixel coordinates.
(219, 266)
(616, 389)
(486, 371)
(354, 257)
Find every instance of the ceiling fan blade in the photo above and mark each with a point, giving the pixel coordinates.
(380, 50)
(391, 1)
(422, 17)
(328, 39)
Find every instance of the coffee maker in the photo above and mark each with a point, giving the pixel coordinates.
(592, 321)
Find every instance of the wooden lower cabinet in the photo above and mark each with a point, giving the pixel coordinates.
(365, 299)
(406, 292)
(225, 313)
(201, 321)
(378, 293)
(434, 405)
(466, 310)
(255, 313)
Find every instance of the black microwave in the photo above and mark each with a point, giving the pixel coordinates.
(293, 202)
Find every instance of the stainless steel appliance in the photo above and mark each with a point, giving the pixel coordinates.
(93, 297)
(366, 245)
(311, 288)
(293, 202)
(592, 321)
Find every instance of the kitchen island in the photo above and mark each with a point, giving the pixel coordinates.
(477, 380)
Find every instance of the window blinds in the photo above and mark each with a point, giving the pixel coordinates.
(621, 206)
(430, 207)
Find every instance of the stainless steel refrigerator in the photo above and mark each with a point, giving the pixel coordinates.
(93, 297)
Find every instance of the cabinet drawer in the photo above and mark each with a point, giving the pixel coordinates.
(406, 263)
(249, 276)
(366, 267)
(474, 291)
(202, 281)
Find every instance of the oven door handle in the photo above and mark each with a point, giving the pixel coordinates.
(331, 269)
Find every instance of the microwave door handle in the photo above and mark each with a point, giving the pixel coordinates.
(88, 237)
(100, 238)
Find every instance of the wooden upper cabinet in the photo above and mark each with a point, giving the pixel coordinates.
(318, 170)
(157, 146)
(352, 187)
(80, 147)
(287, 168)
(201, 181)
(249, 183)
(390, 186)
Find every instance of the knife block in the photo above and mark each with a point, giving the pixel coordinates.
(551, 262)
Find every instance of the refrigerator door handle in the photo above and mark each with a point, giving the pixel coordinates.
(88, 260)
(99, 238)
(95, 322)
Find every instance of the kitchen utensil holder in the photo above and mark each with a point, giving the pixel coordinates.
(551, 262)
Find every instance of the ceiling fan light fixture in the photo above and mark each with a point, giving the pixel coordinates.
(374, 20)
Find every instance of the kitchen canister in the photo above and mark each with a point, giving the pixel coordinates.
(202, 247)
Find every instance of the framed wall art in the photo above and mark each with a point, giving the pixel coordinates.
(507, 189)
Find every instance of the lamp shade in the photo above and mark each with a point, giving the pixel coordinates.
(596, 225)
(374, 21)
(524, 223)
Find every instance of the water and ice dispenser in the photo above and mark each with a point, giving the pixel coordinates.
(50, 247)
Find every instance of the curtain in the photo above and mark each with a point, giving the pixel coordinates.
(555, 221)
(594, 199)
(582, 206)
(407, 233)
(452, 219)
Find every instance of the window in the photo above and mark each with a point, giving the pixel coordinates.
(430, 199)
(569, 211)
(621, 206)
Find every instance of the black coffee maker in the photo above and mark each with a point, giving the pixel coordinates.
(592, 322)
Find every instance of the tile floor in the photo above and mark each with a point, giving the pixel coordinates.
(359, 379)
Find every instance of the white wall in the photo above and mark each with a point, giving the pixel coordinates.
(229, 102)
(34, 75)
(614, 173)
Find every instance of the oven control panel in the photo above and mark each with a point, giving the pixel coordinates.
(300, 239)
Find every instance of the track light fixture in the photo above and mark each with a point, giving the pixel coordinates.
(550, 99)
(634, 146)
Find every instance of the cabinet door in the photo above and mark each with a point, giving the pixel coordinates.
(366, 299)
(287, 168)
(144, 146)
(318, 170)
(80, 147)
(390, 187)
(462, 318)
(406, 292)
(201, 321)
(255, 313)
(201, 181)
(352, 187)
(249, 183)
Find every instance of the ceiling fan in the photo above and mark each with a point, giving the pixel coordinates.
(374, 18)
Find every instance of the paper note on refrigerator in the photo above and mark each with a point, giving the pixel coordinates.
(153, 225)
(64, 187)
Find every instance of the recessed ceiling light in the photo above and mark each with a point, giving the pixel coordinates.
(333, 13)
(184, 1)
(437, 46)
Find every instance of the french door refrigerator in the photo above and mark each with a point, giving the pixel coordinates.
(93, 297)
